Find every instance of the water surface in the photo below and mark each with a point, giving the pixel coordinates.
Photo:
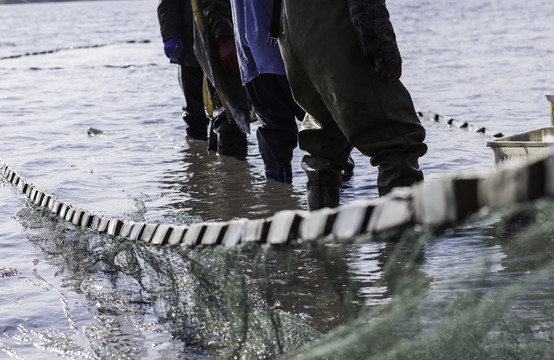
(69, 293)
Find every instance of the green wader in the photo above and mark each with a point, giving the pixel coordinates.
(347, 103)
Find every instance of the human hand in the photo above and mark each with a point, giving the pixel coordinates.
(173, 48)
(228, 56)
(391, 71)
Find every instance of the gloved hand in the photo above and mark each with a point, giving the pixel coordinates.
(173, 48)
(228, 56)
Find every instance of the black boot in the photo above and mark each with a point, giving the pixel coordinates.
(347, 174)
(281, 174)
(322, 196)
(227, 139)
(197, 126)
(402, 170)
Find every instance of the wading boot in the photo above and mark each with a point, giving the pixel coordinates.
(227, 139)
(346, 174)
(281, 174)
(322, 196)
(197, 126)
(400, 171)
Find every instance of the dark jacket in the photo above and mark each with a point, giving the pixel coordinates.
(370, 19)
(176, 21)
(214, 26)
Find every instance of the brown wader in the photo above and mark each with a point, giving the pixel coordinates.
(347, 103)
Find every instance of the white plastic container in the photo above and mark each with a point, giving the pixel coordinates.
(550, 98)
(529, 145)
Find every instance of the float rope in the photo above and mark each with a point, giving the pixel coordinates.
(433, 203)
(53, 51)
(448, 120)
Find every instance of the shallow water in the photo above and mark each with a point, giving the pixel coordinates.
(70, 293)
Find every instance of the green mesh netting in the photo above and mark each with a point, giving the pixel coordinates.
(480, 290)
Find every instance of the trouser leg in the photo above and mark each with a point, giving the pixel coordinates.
(374, 115)
(277, 112)
(191, 79)
(327, 149)
(324, 172)
(194, 115)
(226, 138)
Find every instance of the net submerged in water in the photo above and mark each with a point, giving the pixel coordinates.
(480, 290)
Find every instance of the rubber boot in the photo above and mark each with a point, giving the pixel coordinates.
(346, 175)
(322, 196)
(398, 172)
(282, 174)
(212, 136)
(227, 139)
(197, 126)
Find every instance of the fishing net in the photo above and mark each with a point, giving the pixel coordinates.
(482, 289)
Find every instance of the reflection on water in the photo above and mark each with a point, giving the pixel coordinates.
(206, 187)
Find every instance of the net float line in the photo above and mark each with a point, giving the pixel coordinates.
(433, 203)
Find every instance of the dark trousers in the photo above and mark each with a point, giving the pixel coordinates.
(223, 136)
(190, 79)
(277, 111)
(348, 103)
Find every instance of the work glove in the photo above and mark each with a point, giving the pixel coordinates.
(228, 56)
(173, 48)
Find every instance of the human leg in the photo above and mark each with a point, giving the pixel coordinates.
(327, 150)
(375, 115)
(277, 112)
(226, 138)
(326, 162)
(384, 127)
(194, 115)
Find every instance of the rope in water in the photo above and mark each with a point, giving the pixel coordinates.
(53, 51)
(448, 120)
(433, 203)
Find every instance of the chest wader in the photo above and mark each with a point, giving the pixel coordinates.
(231, 106)
(349, 105)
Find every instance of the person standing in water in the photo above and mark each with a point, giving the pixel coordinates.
(176, 27)
(344, 66)
(263, 75)
(207, 27)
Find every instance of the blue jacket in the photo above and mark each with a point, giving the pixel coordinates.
(251, 24)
